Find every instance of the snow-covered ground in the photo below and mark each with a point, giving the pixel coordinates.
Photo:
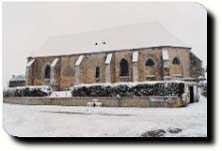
(35, 120)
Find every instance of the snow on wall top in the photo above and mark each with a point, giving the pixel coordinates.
(135, 56)
(165, 54)
(79, 60)
(30, 63)
(54, 62)
(134, 36)
(108, 58)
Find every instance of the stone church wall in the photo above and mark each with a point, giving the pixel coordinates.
(118, 56)
(155, 55)
(67, 71)
(38, 72)
(184, 67)
(88, 68)
(196, 66)
(70, 74)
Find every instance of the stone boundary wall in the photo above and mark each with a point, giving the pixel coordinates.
(106, 101)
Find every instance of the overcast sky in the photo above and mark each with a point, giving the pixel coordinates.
(26, 26)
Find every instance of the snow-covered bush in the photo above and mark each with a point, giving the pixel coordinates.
(27, 91)
(9, 92)
(129, 90)
(203, 85)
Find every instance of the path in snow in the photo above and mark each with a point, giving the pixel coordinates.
(39, 120)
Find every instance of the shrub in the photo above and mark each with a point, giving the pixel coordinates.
(27, 91)
(129, 90)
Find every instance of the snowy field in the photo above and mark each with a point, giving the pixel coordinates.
(35, 120)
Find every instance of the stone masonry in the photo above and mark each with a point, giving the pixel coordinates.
(66, 72)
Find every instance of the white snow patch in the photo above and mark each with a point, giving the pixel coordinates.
(108, 58)
(165, 54)
(61, 94)
(73, 121)
(135, 56)
(79, 60)
(150, 76)
(126, 37)
(43, 88)
(55, 61)
(30, 63)
(130, 84)
(205, 74)
(33, 87)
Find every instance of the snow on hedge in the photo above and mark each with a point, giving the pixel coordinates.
(129, 89)
(203, 85)
(27, 91)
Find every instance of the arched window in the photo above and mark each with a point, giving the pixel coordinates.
(176, 61)
(47, 72)
(150, 62)
(97, 74)
(124, 71)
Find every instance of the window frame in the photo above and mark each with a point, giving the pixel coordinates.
(147, 63)
(47, 72)
(176, 61)
(124, 68)
(97, 76)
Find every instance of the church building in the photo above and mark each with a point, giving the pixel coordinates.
(130, 53)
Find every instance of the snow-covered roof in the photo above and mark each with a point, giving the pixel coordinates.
(135, 56)
(165, 54)
(17, 78)
(79, 60)
(127, 37)
(55, 61)
(108, 58)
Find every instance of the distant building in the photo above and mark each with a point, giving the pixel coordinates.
(17, 80)
(139, 52)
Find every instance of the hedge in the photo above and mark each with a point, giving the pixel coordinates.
(127, 90)
(28, 91)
